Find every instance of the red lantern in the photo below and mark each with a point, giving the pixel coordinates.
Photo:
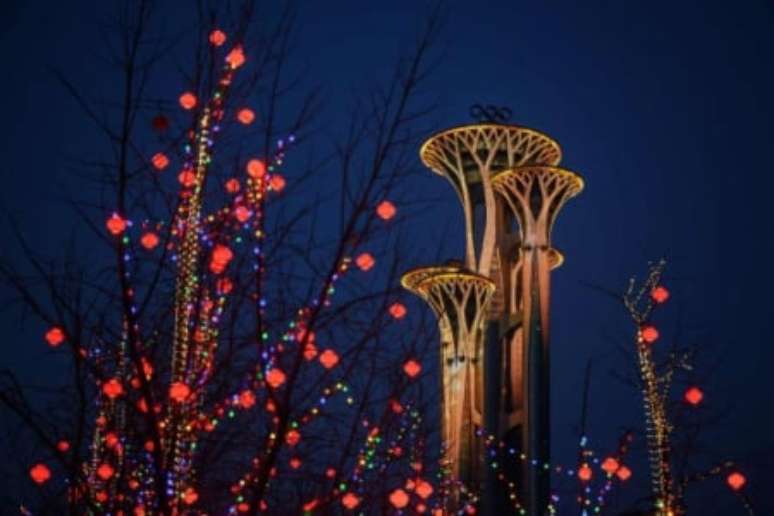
(115, 224)
(160, 161)
(292, 437)
(386, 210)
(246, 399)
(246, 116)
(236, 57)
(105, 471)
(365, 261)
(659, 294)
(256, 168)
(397, 310)
(40, 474)
(217, 37)
(310, 351)
(610, 465)
(399, 499)
(179, 392)
(188, 100)
(277, 183)
(187, 178)
(736, 480)
(224, 285)
(623, 473)
(275, 378)
(63, 446)
(350, 501)
(111, 440)
(112, 388)
(221, 256)
(649, 334)
(232, 186)
(694, 395)
(412, 368)
(295, 463)
(424, 489)
(55, 336)
(329, 358)
(190, 496)
(149, 240)
(584, 473)
(242, 214)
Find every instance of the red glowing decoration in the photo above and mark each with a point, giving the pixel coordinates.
(224, 285)
(424, 489)
(277, 183)
(187, 177)
(105, 471)
(217, 37)
(112, 388)
(246, 116)
(649, 334)
(610, 465)
(275, 378)
(242, 214)
(221, 256)
(399, 499)
(736, 480)
(330, 472)
(694, 395)
(412, 368)
(256, 168)
(190, 496)
(179, 392)
(55, 336)
(386, 210)
(292, 437)
(623, 473)
(659, 294)
(329, 358)
(397, 310)
(350, 501)
(365, 261)
(236, 57)
(149, 240)
(188, 100)
(310, 351)
(111, 440)
(232, 186)
(295, 463)
(160, 161)
(63, 446)
(40, 474)
(115, 224)
(246, 399)
(585, 473)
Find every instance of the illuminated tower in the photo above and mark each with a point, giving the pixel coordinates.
(510, 188)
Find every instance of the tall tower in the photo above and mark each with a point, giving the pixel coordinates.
(511, 190)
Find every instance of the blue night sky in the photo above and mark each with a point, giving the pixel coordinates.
(665, 109)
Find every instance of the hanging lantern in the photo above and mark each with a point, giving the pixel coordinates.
(179, 392)
(115, 224)
(275, 378)
(188, 100)
(659, 294)
(399, 499)
(584, 473)
(105, 471)
(277, 183)
(623, 473)
(246, 399)
(397, 310)
(310, 351)
(386, 210)
(221, 256)
(40, 474)
(610, 465)
(412, 368)
(246, 116)
(694, 395)
(190, 496)
(365, 261)
(224, 285)
(55, 336)
(217, 37)
(63, 446)
(160, 161)
(256, 168)
(187, 178)
(649, 334)
(292, 437)
(149, 240)
(232, 186)
(350, 501)
(112, 388)
(295, 463)
(236, 57)
(423, 489)
(329, 358)
(242, 214)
